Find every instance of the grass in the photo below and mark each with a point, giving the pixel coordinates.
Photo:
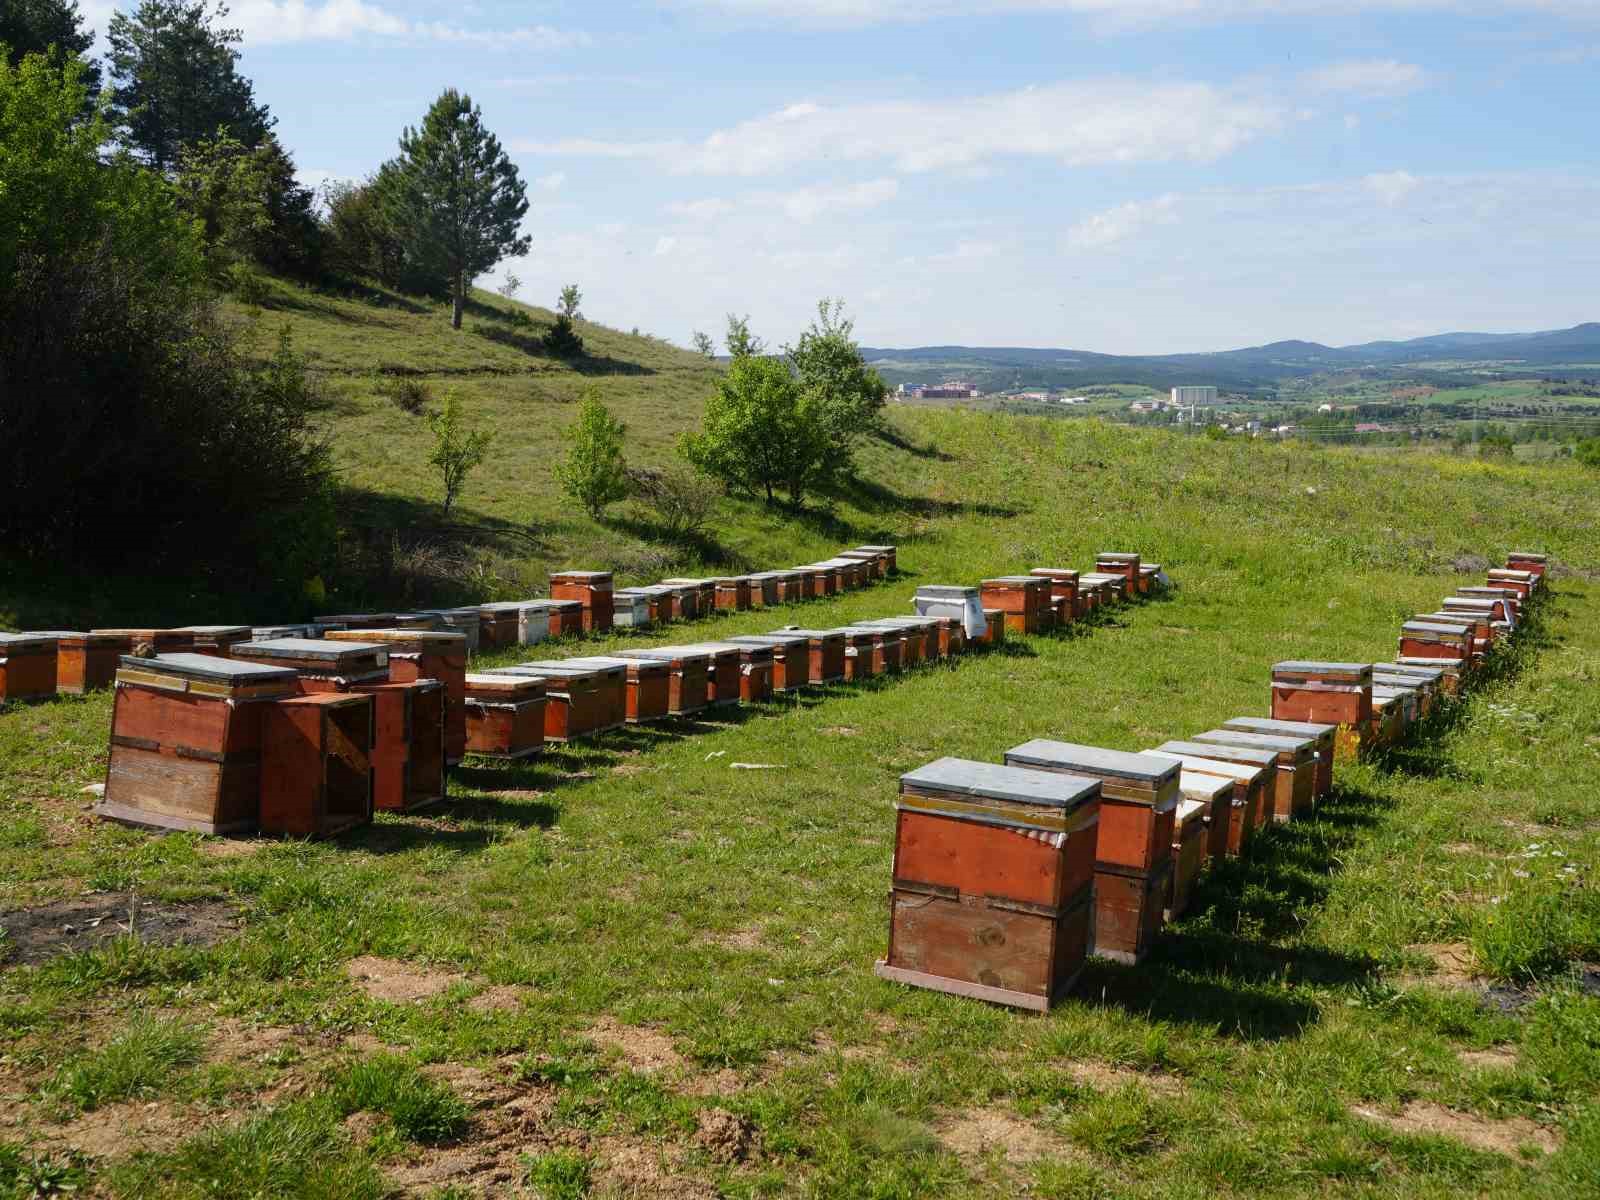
(138, 1061)
(733, 917)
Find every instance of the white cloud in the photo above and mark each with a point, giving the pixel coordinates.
(665, 246)
(552, 182)
(801, 205)
(709, 209)
(1102, 229)
(1099, 121)
(1372, 78)
(1392, 187)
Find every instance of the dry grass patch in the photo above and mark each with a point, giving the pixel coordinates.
(646, 1051)
(749, 938)
(1104, 1077)
(118, 1130)
(1496, 1058)
(1509, 1136)
(631, 1167)
(501, 998)
(396, 982)
(982, 1131)
(1453, 964)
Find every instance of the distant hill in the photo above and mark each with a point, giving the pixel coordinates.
(1254, 369)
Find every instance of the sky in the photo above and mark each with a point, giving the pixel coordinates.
(1123, 176)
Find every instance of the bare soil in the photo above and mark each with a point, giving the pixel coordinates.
(1507, 1136)
(644, 1050)
(398, 982)
(38, 934)
(725, 1137)
(980, 1131)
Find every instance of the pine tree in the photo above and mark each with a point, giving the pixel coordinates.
(175, 80)
(458, 197)
(40, 26)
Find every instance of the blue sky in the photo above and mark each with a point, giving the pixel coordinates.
(1129, 176)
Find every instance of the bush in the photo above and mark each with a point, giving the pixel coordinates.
(564, 340)
(139, 1061)
(595, 473)
(405, 392)
(134, 430)
(680, 500)
(758, 432)
(1588, 452)
(456, 449)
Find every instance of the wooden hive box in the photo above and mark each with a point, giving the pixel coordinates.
(851, 572)
(811, 584)
(324, 664)
(27, 667)
(872, 564)
(994, 628)
(886, 555)
(186, 742)
(1322, 736)
(1063, 588)
(661, 602)
(763, 589)
(86, 662)
(466, 621)
(505, 715)
(1133, 847)
(1435, 639)
(1531, 562)
(963, 604)
(1248, 800)
(1326, 693)
(826, 580)
(791, 654)
(1024, 599)
(273, 633)
(592, 590)
(1503, 604)
(1395, 709)
(951, 635)
(1450, 671)
(1519, 582)
(863, 651)
(499, 625)
(1263, 761)
(1216, 794)
(408, 743)
(1110, 562)
(684, 601)
(1149, 578)
(1294, 791)
(630, 609)
(217, 640)
(1190, 846)
(993, 879)
(421, 622)
(354, 621)
(566, 617)
(752, 670)
(1428, 680)
(732, 593)
(1113, 585)
(791, 586)
(574, 703)
(649, 685)
(724, 661)
(688, 676)
(316, 765)
(825, 654)
(598, 691)
(924, 634)
(705, 594)
(426, 654)
(1481, 628)
(532, 619)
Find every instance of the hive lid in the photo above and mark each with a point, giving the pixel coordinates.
(943, 591)
(1116, 556)
(1100, 578)
(1512, 573)
(1411, 670)
(1310, 729)
(770, 639)
(509, 686)
(561, 605)
(1150, 568)
(1182, 749)
(1447, 666)
(49, 633)
(824, 634)
(722, 647)
(1434, 627)
(878, 549)
(346, 618)
(1094, 760)
(213, 630)
(1030, 580)
(23, 641)
(608, 662)
(1262, 741)
(679, 582)
(668, 654)
(501, 606)
(1473, 603)
(1190, 810)
(136, 634)
(766, 575)
(1304, 667)
(1388, 691)
(1528, 556)
(1055, 572)
(1209, 764)
(319, 650)
(1199, 785)
(209, 669)
(400, 641)
(902, 622)
(577, 666)
(994, 782)
(591, 576)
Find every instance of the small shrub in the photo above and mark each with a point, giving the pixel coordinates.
(1587, 452)
(405, 392)
(137, 1062)
(680, 500)
(564, 340)
(456, 449)
(422, 1109)
(595, 473)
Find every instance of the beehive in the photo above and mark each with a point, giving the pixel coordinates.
(1249, 801)
(1294, 789)
(742, 669)
(1322, 736)
(27, 667)
(922, 634)
(1215, 794)
(1063, 587)
(566, 617)
(316, 765)
(186, 742)
(791, 586)
(886, 555)
(825, 654)
(826, 580)
(466, 621)
(1450, 671)
(705, 595)
(1024, 599)
(723, 663)
(505, 715)
(1502, 605)
(273, 633)
(1519, 582)
(354, 621)
(86, 662)
(994, 628)
(630, 609)
(964, 604)
(1113, 585)
(872, 563)
(499, 625)
(408, 743)
(790, 657)
(421, 654)
(593, 592)
(863, 653)
(992, 885)
(764, 591)
(1264, 761)
(1427, 680)
(1109, 562)
(420, 622)
(596, 695)
(1326, 693)
(1476, 625)
(1530, 561)
(732, 593)
(1190, 844)
(217, 640)
(1133, 847)
(1434, 639)
(649, 685)
(688, 676)
(1149, 578)
(324, 664)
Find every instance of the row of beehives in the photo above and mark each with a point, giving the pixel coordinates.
(1007, 877)
(39, 664)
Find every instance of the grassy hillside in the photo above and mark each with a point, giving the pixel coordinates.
(628, 969)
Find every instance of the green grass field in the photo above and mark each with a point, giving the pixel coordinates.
(629, 969)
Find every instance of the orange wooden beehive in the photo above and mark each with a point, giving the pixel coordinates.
(1321, 735)
(1436, 639)
(186, 742)
(316, 765)
(993, 878)
(649, 685)
(1294, 788)
(88, 662)
(1024, 599)
(763, 589)
(863, 654)
(790, 657)
(1251, 802)
(592, 589)
(417, 654)
(27, 667)
(1530, 561)
(994, 631)
(505, 715)
(323, 664)
(1063, 587)
(1112, 586)
(688, 676)
(581, 700)
(1216, 794)
(1520, 582)
(741, 670)
(924, 640)
(886, 558)
(1326, 693)
(217, 640)
(791, 586)
(1133, 849)
(1189, 853)
(825, 654)
(1109, 562)
(408, 754)
(732, 593)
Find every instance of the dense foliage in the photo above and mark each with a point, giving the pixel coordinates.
(51, 27)
(595, 472)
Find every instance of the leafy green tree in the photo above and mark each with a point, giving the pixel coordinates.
(740, 341)
(42, 26)
(456, 449)
(757, 429)
(1588, 452)
(222, 185)
(844, 396)
(175, 80)
(292, 240)
(457, 197)
(595, 473)
(703, 345)
(568, 304)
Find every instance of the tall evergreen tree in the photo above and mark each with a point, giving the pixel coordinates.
(175, 79)
(34, 26)
(457, 196)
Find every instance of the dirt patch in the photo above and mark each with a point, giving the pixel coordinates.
(644, 1050)
(507, 1122)
(1459, 848)
(839, 730)
(715, 1083)
(118, 1130)
(1507, 1136)
(230, 847)
(38, 934)
(725, 1137)
(629, 1167)
(1109, 1078)
(1496, 1058)
(362, 1125)
(1453, 964)
(748, 938)
(984, 1131)
(503, 998)
(397, 982)
(237, 1041)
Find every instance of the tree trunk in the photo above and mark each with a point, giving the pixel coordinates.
(459, 290)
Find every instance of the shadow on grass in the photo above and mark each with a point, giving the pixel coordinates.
(894, 438)
(1158, 993)
(701, 544)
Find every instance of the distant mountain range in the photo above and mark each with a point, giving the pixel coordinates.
(1574, 351)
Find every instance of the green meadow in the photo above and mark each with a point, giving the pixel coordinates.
(637, 967)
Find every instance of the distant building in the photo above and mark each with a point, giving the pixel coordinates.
(1371, 427)
(1037, 397)
(1193, 397)
(1149, 406)
(954, 389)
